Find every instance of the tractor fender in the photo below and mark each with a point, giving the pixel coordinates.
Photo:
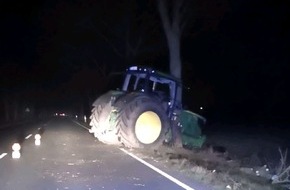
(110, 96)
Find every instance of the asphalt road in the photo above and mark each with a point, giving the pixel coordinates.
(71, 158)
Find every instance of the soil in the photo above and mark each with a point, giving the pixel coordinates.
(233, 157)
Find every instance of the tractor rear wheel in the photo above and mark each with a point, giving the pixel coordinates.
(100, 122)
(143, 124)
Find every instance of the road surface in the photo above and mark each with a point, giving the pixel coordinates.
(69, 157)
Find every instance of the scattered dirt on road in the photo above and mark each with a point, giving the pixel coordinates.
(230, 160)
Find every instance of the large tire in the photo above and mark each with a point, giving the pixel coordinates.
(143, 123)
(100, 122)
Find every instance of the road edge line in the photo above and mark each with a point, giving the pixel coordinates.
(3, 155)
(80, 125)
(176, 181)
(28, 136)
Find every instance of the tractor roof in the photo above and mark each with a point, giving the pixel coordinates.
(154, 73)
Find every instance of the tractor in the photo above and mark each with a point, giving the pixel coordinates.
(145, 112)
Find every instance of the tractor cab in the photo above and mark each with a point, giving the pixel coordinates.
(155, 83)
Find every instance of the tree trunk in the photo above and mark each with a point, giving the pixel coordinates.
(175, 61)
(174, 55)
(172, 31)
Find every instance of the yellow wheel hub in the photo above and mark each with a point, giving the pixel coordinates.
(148, 127)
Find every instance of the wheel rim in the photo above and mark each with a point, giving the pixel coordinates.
(148, 127)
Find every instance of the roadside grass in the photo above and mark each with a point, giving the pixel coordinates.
(214, 169)
(218, 169)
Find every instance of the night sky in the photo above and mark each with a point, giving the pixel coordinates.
(59, 54)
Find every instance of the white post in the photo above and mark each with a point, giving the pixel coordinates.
(16, 151)
(37, 138)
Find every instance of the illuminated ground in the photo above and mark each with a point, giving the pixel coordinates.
(71, 158)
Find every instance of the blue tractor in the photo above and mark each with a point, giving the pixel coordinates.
(145, 112)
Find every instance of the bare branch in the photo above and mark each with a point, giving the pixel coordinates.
(106, 39)
(283, 172)
(282, 161)
(110, 43)
(132, 48)
(102, 68)
(284, 177)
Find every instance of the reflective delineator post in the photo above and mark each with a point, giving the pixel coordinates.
(37, 138)
(16, 151)
(85, 119)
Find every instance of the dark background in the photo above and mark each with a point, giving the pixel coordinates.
(57, 55)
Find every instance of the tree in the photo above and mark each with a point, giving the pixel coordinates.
(174, 16)
(173, 26)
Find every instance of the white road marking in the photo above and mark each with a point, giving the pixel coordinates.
(176, 181)
(28, 136)
(3, 155)
(81, 125)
